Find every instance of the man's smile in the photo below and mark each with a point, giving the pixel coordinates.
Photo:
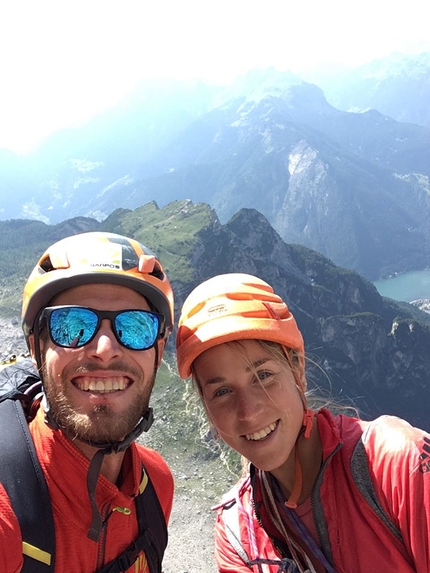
(101, 385)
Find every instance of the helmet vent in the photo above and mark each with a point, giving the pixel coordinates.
(47, 265)
(157, 271)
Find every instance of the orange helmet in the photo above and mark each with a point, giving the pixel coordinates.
(231, 307)
(96, 257)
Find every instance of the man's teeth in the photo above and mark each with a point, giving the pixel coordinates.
(262, 433)
(102, 386)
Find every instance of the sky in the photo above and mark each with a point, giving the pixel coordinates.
(63, 61)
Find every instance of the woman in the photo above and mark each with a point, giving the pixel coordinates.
(324, 492)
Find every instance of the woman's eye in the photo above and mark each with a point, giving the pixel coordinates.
(220, 392)
(264, 375)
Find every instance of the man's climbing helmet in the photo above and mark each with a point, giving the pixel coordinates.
(91, 258)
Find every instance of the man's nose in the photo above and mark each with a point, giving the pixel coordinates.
(104, 346)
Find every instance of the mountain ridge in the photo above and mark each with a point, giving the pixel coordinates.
(354, 186)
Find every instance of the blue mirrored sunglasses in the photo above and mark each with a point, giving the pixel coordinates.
(75, 326)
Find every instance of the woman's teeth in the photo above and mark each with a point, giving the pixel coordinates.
(262, 433)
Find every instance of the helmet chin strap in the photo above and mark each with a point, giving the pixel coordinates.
(306, 430)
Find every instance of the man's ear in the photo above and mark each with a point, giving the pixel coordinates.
(161, 344)
(32, 351)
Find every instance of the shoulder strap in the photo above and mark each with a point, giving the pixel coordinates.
(152, 522)
(23, 480)
(152, 538)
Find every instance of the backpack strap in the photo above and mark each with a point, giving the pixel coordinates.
(152, 538)
(24, 482)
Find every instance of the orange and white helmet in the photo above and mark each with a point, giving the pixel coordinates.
(96, 257)
(230, 307)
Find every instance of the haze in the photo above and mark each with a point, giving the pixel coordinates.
(63, 62)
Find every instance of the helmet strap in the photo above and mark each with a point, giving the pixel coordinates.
(298, 481)
(92, 479)
(291, 502)
(308, 417)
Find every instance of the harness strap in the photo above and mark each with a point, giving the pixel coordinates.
(23, 479)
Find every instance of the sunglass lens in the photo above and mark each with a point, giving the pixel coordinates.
(72, 327)
(137, 330)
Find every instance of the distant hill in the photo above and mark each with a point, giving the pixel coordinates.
(374, 350)
(397, 86)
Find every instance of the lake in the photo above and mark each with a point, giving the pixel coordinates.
(407, 286)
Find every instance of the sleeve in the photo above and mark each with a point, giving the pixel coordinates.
(227, 556)
(400, 462)
(11, 560)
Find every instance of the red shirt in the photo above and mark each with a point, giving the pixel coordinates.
(65, 469)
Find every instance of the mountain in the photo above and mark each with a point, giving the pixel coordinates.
(373, 351)
(353, 186)
(397, 86)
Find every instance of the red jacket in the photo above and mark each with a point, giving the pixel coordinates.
(65, 469)
(386, 457)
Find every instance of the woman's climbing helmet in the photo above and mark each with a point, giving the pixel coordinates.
(96, 257)
(231, 307)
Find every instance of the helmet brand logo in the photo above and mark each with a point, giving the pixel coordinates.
(106, 265)
(217, 309)
(106, 256)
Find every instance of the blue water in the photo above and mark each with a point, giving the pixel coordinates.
(406, 287)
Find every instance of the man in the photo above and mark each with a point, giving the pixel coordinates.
(97, 311)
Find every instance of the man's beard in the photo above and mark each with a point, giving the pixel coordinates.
(103, 425)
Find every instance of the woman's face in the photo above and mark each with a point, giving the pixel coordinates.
(252, 400)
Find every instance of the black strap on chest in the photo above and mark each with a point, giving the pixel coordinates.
(23, 479)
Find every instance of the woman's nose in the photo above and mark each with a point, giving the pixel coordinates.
(248, 405)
